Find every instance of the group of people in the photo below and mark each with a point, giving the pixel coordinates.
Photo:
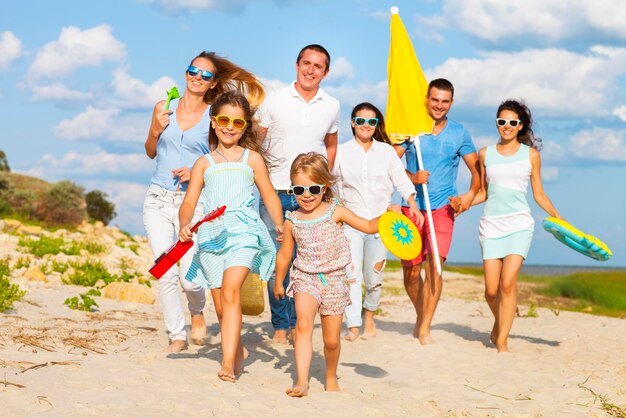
(314, 238)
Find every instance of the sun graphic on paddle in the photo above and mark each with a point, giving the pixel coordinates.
(399, 235)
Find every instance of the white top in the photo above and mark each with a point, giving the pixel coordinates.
(366, 179)
(295, 126)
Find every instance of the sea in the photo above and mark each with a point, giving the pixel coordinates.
(549, 270)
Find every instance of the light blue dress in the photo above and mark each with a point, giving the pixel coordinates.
(238, 237)
(506, 226)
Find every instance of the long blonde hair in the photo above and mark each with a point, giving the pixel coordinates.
(230, 76)
(315, 166)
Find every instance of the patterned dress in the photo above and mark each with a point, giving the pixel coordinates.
(238, 237)
(506, 226)
(319, 269)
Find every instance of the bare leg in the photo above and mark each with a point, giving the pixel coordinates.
(493, 269)
(306, 308)
(331, 330)
(508, 299)
(198, 329)
(412, 284)
(352, 334)
(230, 295)
(429, 298)
(369, 326)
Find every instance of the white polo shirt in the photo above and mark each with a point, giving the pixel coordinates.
(366, 179)
(295, 126)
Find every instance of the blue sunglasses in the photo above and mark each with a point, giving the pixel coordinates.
(194, 71)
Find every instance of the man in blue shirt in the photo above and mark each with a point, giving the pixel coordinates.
(441, 152)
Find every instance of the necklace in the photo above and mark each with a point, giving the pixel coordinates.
(227, 160)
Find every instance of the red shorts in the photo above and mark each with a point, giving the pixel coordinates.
(443, 219)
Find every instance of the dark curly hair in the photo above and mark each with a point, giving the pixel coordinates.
(526, 135)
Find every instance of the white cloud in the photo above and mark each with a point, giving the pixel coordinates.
(340, 69)
(58, 92)
(556, 81)
(498, 21)
(599, 144)
(197, 5)
(135, 93)
(76, 48)
(272, 84)
(96, 162)
(620, 112)
(349, 96)
(10, 49)
(549, 173)
(98, 123)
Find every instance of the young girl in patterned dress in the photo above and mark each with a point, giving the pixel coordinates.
(318, 274)
(238, 241)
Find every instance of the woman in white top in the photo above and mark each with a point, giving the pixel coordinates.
(368, 169)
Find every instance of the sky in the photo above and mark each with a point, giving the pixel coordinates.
(77, 87)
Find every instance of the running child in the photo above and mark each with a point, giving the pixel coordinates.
(238, 241)
(319, 282)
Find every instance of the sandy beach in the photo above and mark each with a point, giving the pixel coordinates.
(109, 363)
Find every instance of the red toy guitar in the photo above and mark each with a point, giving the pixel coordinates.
(170, 257)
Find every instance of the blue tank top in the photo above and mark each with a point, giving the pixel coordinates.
(176, 148)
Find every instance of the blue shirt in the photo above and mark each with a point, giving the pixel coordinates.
(441, 154)
(176, 149)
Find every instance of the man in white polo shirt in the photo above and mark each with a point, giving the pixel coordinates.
(295, 119)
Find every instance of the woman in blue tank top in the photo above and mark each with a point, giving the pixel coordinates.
(506, 226)
(177, 137)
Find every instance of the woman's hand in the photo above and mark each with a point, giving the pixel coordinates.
(185, 233)
(279, 232)
(183, 174)
(161, 120)
(279, 290)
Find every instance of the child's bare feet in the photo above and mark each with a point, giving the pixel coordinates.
(493, 337)
(352, 334)
(331, 384)
(176, 346)
(227, 374)
(280, 336)
(198, 329)
(502, 347)
(416, 330)
(298, 391)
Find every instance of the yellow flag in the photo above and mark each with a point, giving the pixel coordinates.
(406, 101)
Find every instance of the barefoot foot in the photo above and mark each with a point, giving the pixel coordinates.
(198, 329)
(426, 339)
(352, 334)
(331, 384)
(227, 375)
(416, 331)
(280, 336)
(176, 346)
(239, 361)
(298, 391)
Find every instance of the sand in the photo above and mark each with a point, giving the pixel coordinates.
(109, 363)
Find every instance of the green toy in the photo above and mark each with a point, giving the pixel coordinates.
(171, 94)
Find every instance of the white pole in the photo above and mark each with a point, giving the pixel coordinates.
(429, 213)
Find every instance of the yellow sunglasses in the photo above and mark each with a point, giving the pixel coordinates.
(224, 121)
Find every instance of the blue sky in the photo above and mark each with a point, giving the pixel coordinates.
(77, 86)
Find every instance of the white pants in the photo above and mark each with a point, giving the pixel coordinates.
(160, 218)
(366, 250)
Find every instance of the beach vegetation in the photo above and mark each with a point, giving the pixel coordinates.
(9, 292)
(63, 204)
(45, 245)
(84, 301)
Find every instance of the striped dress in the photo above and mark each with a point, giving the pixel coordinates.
(506, 226)
(237, 238)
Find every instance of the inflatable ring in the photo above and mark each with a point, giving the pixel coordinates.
(577, 240)
(399, 234)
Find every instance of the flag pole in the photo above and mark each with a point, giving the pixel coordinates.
(429, 213)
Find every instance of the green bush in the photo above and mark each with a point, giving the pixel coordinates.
(99, 208)
(63, 204)
(48, 245)
(85, 303)
(9, 292)
(23, 202)
(88, 273)
(4, 163)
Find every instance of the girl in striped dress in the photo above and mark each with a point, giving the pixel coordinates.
(318, 279)
(506, 226)
(238, 241)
